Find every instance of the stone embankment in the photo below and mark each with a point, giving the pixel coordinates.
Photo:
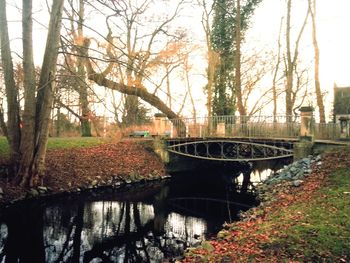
(292, 175)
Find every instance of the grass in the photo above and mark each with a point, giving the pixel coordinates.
(59, 143)
(323, 232)
(4, 147)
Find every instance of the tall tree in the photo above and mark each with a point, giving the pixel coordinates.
(222, 41)
(74, 66)
(13, 122)
(28, 145)
(275, 73)
(212, 56)
(240, 106)
(291, 59)
(133, 50)
(226, 40)
(319, 95)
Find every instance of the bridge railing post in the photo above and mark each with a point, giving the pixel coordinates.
(304, 147)
(306, 124)
(220, 129)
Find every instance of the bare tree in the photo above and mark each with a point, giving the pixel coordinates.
(212, 56)
(275, 73)
(238, 84)
(28, 145)
(133, 51)
(319, 96)
(291, 57)
(253, 69)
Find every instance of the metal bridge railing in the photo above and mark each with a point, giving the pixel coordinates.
(250, 126)
(239, 126)
(327, 131)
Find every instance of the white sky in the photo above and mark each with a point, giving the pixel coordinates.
(333, 21)
(334, 41)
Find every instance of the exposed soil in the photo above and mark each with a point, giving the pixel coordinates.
(80, 168)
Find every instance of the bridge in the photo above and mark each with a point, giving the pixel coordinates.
(231, 150)
(253, 138)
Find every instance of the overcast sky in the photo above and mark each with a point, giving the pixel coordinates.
(333, 21)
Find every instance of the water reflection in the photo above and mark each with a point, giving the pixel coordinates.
(147, 224)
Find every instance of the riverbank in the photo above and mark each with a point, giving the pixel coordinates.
(79, 168)
(305, 219)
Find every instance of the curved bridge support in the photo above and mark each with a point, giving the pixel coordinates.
(230, 150)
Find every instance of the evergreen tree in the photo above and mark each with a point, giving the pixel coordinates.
(223, 43)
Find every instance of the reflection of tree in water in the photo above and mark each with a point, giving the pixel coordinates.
(24, 241)
(256, 173)
(85, 232)
(115, 231)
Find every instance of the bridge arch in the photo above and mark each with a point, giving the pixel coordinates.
(230, 150)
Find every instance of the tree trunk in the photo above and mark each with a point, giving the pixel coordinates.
(28, 129)
(131, 109)
(46, 87)
(319, 96)
(2, 123)
(140, 92)
(13, 122)
(240, 106)
(83, 89)
(32, 163)
(274, 80)
(291, 60)
(289, 64)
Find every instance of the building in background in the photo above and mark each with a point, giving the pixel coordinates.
(341, 103)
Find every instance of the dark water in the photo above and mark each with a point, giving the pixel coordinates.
(154, 222)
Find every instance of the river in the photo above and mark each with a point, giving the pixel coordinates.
(146, 222)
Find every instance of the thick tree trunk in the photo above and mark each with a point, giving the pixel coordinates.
(131, 109)
(29, 151)
(83, 88)
(140, 92)
(13, 122)
(319, 96)
(241, 109)
(2, 123)
(28, 130)
(33, 168)
(45, 93)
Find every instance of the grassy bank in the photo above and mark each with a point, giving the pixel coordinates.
(310, 223)
(315, 229)
(60, 143)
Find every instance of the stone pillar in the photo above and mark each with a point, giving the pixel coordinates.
(221, 129)
(160, 148)
(306, 124)
(302, 150)
(159, 124)
(344, 127)
(304, 147)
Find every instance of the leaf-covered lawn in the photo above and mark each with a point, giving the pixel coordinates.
(78, 163)
(306, 224)
(59, 143)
